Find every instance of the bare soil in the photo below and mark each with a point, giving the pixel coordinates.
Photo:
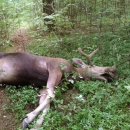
(7, 121)
(20, 40)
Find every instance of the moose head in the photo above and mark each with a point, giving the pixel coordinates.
(91, 71)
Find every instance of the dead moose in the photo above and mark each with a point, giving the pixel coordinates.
(27, 69)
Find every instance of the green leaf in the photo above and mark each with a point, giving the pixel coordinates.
(62, 66)
(128, 88)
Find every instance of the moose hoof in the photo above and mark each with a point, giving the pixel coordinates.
(24, 124)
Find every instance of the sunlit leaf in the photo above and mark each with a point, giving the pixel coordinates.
(128, 87)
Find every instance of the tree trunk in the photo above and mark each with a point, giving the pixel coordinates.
(48, 8)
(122, 7)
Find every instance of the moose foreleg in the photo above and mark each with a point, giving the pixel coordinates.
(43, 94)
(41, 118)
(31, 116)
(51, 83)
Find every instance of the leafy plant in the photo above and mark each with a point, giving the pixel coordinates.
(91, 105)
(20, 99)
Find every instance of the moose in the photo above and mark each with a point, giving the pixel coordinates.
(27, 69)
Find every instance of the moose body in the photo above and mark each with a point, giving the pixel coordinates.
(28, 69)
(22, 69)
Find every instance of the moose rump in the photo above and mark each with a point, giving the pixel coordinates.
(22, 69)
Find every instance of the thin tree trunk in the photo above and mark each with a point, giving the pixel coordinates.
(48, 8)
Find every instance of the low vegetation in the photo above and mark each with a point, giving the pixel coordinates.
(92, 105)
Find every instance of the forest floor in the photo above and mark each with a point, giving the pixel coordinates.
(20, 39)
(7, 122)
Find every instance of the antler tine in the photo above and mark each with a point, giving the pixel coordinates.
(88, 56)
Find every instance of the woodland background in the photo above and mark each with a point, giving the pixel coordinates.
(57, 28)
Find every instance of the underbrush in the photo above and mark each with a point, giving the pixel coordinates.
(23, 100)
(96, 106)
(91, 105)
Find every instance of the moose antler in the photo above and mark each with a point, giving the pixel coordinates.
(88, 56)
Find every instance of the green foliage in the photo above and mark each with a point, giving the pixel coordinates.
(95, 105)
(53, 45)
(103, 106)
(91, 105)
(5, 44)
(20, 98)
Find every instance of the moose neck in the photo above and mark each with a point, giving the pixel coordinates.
(81, 75)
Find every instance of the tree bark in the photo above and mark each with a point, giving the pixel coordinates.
(48, 8)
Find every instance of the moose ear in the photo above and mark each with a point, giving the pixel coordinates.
(114, 67)
(78, 61)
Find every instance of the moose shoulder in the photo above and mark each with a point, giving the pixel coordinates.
(28, 69)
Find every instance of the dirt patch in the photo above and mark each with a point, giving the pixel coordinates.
(20, 39)
(68, 95)
(7, 121)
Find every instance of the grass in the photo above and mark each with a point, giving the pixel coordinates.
(91, 105)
